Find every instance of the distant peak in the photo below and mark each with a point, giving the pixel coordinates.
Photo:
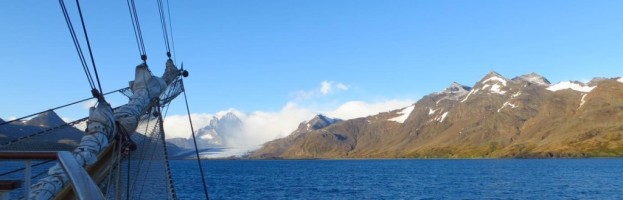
(533, 78)
(596, 80)
(319, 121)
(457, 87)
(46, 119)
(323, 118)
(494, 73)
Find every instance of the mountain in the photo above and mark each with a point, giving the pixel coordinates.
(59, 139)
(216, 135)
(533, 78)
(276, 148)
(526, 116)
(46, 119)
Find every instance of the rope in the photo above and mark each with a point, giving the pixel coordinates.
(77, 44)
(163, 24)
(192, 129)
(23, 168)
(171, 29)
(86, 36)
(137, 30)
(142, 156)
(166, 156)
(59, 107)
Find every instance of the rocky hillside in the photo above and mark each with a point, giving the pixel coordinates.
(525, 116)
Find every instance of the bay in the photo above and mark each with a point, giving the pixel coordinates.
(402, 179)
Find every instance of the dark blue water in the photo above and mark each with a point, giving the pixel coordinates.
(403, 179)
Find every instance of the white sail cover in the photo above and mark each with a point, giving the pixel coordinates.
(101, 126)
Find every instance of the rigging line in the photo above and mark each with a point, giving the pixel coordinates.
(86, 36)
(23, 168)
(171, 30)
(77, 44)
(163, 24)
(140, 52)
(153, 154)
(59, 107)
(192, 129)
(137, 29)
(166, 156)
(142, 156)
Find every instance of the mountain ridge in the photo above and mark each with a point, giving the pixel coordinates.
(497, 117)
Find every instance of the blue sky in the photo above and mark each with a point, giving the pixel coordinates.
(267, 56)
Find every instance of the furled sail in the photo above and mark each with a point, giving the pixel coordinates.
(104, 124)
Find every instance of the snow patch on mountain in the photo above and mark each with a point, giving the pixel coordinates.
(497, 89)
(496, 79)
(431, 111)
(507, 104)
(470, 94)
(494, 82)
(583, 101)
(442, 117)
(577, 86)
(404, 114)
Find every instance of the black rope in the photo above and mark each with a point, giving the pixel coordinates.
(23, 168)
(192, 129)
(59, 107)
(86, 36)
(163, 24)
(77, 44)
(137, 30)
(171, 30)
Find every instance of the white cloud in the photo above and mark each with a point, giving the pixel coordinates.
(326, 88)
(261, 127)
(177, 126)
(342, 86)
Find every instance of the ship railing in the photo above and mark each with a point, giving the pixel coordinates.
(82, 184)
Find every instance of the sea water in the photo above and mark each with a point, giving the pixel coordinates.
(402, 179)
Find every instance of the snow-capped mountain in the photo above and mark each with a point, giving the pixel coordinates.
(214, 135)
(526, 116)
(533, 78)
